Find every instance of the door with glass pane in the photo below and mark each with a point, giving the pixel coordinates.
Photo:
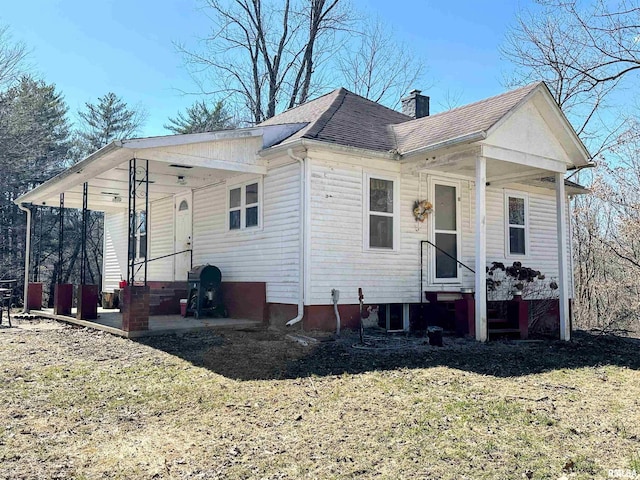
(183, 234)
(446, 235)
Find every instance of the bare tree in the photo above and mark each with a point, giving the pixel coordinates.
(377, 66)
(264, 52)
(584, 55)
(588, 54)
(12, 57)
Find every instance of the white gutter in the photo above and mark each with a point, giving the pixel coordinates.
(27, 257)
(301, 234)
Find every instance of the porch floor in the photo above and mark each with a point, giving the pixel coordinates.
(111, 321)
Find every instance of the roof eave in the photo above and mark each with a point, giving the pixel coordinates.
(31, 195)
(464, 139)
(307, 143)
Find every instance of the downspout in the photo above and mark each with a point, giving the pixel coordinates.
(27, 257)
(301, 234)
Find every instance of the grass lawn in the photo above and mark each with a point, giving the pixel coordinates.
(81, 404)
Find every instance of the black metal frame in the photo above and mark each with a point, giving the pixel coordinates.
(83, 240)
(138, 176)
(60, 238)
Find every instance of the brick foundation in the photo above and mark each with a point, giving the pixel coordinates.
(63, 299)
(135, 308)
(246, 300)
(87, 302)
(34, 296)
(322, 317)
(164, 297)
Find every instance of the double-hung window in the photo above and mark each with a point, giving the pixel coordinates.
(244, 205)
(381, 213)
(517, 224)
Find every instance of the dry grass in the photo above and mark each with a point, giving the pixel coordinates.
(81, 404)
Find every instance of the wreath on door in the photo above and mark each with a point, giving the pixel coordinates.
(421, 210)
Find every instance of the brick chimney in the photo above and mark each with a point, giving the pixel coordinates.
(415, 105)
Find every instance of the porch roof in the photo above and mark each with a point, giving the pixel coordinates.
(176, 163)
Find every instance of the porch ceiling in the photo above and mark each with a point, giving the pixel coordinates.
(503, 166)
(109, 191)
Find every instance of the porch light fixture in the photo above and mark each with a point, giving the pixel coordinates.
(181, 180)
(116, 199)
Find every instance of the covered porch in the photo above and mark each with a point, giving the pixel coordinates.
(122, 180)
(491, 167)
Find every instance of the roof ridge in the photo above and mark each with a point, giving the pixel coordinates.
(318, 125)
(304, 104)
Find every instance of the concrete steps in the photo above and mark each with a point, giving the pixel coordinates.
(164, 297)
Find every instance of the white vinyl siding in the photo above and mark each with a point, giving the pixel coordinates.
(160, 239)
(338, 256)
(115, 250)
(269, 254)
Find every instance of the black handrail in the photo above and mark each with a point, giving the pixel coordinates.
(144, 262)
(165, 256)
(422, 242)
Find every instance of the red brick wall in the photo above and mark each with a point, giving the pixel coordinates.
(135, 308)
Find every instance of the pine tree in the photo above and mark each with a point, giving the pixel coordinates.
(108, 120)
(199, 118)
(34, 145)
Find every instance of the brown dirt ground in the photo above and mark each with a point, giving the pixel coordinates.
(76, 403)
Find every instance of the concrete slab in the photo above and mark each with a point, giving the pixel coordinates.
(111, 321)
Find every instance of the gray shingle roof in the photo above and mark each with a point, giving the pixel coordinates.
(344, 118)
(468, 119)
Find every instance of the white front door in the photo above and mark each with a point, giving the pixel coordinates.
(183, 209)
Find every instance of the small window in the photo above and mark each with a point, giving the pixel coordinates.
(183, 206)
(381, 213)
(140, 237)
(517, 224)
(244, 205)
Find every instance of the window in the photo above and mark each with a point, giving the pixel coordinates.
(244, 201)
(381, 213)
(140, 239)
(516, 206)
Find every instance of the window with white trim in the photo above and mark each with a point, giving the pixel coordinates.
(381, 213)
(244, 205)
(517, 224)
(140, 237)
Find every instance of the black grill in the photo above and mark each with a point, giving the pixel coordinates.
(205, 292)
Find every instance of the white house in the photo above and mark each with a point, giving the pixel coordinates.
(322, 197)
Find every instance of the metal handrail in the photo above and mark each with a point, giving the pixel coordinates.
(145, 261)
(442, 251)
(164, 256)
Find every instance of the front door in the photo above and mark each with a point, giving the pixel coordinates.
(183, 209)
(446, 235)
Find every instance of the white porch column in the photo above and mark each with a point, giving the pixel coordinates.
(563, 283)
(481, 249)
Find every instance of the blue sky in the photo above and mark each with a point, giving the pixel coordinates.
(88, 48)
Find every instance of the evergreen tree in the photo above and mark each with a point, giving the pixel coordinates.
(108, 120)
(34, 145)
(199, 118)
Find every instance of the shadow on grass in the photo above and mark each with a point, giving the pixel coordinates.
(268, 355)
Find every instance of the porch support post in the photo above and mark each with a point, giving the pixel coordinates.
(563, 284)
(27, 256)
(481, 249)
(63, 293)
